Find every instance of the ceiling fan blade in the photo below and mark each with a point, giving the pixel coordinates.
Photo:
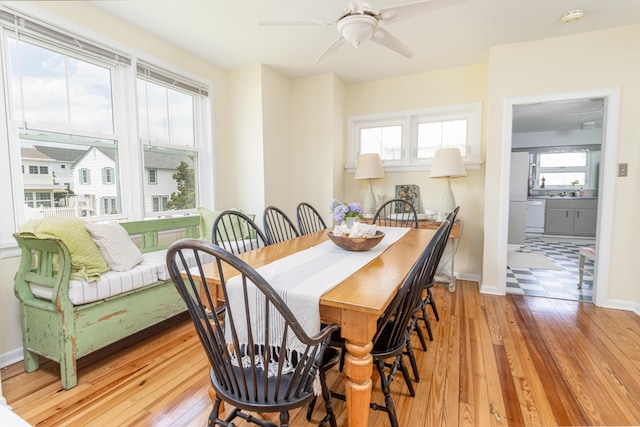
(404, 11)
(386, 39)
(293, 22)
(332, 48)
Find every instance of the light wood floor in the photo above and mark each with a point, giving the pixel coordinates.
(510, 360)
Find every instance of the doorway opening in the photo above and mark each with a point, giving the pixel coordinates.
(554, 190)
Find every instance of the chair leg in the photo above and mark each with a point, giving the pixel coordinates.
(405, 374)
(425, 317)
(328, 405)
(412, 360)
(284, 419)
(432, 303)
(311, 407)
(418, 330)
(385, 385)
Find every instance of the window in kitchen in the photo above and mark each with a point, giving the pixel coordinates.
(568, 169)
(408, 140)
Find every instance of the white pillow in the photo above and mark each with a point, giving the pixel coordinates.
(115, 245)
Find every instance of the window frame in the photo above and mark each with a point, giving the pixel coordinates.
(409, 120)
(97, 47)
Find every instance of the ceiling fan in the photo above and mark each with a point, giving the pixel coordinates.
(359, 22)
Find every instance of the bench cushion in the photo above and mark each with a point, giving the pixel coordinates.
(151, 270)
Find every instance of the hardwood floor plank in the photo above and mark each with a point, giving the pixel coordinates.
(494, 360)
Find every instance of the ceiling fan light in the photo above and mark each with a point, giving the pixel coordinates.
(356, 29)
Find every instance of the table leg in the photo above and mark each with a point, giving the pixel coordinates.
(580, 271)
(358, 367)
(452, 277)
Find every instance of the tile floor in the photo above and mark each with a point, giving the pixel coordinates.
(561, 283)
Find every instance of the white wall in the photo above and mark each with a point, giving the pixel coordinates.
(243, 153)
(277, 144)
(584, 62)
(317, 132)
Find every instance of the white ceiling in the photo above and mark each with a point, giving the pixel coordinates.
(452, 33)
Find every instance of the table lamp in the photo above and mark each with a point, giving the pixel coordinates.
(447, 163)
(369, 167)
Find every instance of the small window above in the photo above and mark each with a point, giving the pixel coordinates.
(408, 140)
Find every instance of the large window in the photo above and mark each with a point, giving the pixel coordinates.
(77, 138)
(168, 109)
(408, 140)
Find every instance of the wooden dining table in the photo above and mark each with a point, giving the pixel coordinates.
(355, 304)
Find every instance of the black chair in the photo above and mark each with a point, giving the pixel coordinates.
(399, 213)
(309, 220)
(428, 299)
(237, 233)
(396, 213)
(239, 339)
(392, 339)
(277, 225)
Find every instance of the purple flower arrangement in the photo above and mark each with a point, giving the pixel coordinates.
(343, 210)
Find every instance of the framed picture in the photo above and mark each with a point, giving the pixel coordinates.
(410, 193)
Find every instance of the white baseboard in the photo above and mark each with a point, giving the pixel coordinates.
(469, 277)
(622, 305)
(13, 356)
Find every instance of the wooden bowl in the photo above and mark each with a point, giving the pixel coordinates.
(356, 243)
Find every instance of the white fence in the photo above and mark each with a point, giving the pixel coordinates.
(44, 212)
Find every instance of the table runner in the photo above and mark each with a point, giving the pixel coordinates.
(301, 279)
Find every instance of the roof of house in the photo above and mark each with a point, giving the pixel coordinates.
(32, 153)
(60, 154)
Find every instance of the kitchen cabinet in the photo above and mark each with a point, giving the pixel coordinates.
(571, 217)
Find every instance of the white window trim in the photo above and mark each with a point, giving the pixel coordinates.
(130, 155)
(409, 120)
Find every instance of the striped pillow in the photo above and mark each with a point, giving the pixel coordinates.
(115, 245)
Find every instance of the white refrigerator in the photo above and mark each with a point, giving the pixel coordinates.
(518, 188)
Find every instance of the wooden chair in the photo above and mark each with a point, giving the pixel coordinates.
(309, 220)
(277, 225)
(396, 213)
(391, 341)
(252, 368)
(237, 233)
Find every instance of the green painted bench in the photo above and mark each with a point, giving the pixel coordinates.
(63, 332)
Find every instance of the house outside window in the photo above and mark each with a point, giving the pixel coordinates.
(108, 175)
(153, 176)
(159, 203)
(44, 199)
(408, 140)
(33, 170)
(28, 199)
(109, 205)
(85, 176)
(44, 170)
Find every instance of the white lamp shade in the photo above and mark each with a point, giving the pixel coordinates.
(447, 163)
(369, 166)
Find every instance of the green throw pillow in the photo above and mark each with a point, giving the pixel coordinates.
(207, 218)
(86, 260)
